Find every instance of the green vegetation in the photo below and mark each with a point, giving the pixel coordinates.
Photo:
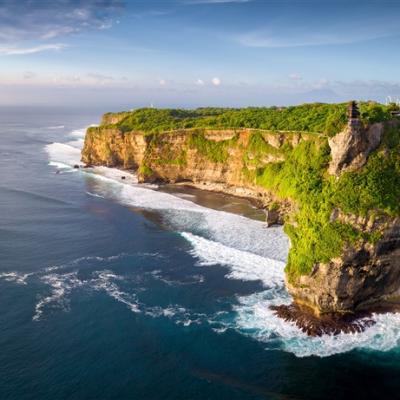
(171, 159)
(302, 178)
(377, 185)
(145, 171)
(315, 117)
(166, 154)
(214, 151)
(258, 148)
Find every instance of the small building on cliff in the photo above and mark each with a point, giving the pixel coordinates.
(353, 113)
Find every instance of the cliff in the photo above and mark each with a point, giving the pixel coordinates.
(222, 160)
(338, 195)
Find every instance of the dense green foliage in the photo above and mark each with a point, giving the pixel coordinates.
(315, 117)
(214, 151)
(258, 149)
(302, 177)
(377, 185)
(145, 171)
(166, 154)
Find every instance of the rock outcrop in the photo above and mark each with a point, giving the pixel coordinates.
(364, 275)
(351, 147)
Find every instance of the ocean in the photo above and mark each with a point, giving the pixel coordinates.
(114, 290)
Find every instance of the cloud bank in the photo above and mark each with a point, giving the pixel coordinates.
(44, 20)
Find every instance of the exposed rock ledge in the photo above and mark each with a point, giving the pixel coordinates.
(351, 147)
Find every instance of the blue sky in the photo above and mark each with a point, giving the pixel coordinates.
(115, 53)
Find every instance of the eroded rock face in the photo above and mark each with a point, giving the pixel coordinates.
(364, 275)
(170, 158)
(110, 147)
(351, 147)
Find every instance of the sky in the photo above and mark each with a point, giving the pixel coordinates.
(189, 53)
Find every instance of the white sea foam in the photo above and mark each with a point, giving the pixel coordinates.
(64, 153)
(192, 280)
(229, 229)
(94, 195)
(60, 165)
(61, 285)
(14, 276)
(104, 281)
(56, 127)
(255, 319)
(178, 314)
(67, 153)
(78, 143)
(79, 133)
(243, 265)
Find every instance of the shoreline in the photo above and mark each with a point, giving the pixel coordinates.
(273, 211)
(260, 200)
(221, 200)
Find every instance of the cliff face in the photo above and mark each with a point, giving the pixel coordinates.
(340, 201)
(222, 160)
(364, 275)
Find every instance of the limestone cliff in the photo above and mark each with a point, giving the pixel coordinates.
(351, 147)
(367, 272)
(221, 160)
(339, 196)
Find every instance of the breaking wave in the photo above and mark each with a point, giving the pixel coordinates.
(55, 127)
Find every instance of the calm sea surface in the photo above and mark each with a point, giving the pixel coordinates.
(113, 290)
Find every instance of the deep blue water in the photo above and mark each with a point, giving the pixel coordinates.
(114, 292)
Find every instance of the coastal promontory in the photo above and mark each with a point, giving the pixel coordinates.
(329, 172)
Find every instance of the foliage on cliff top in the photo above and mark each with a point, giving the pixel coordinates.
(214, 151)
(314, 117)
(302, 177)
(377, 185)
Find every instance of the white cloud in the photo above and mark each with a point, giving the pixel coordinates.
(341, 32)
(12, 51)
(216, 81)
(52, 33)
(295, 76)
(200, 82)
(162, 82)
(32, 20)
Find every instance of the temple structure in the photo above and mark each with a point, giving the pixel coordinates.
(353, 114)
(353, 111)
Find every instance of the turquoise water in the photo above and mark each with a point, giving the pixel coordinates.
(110, 290)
